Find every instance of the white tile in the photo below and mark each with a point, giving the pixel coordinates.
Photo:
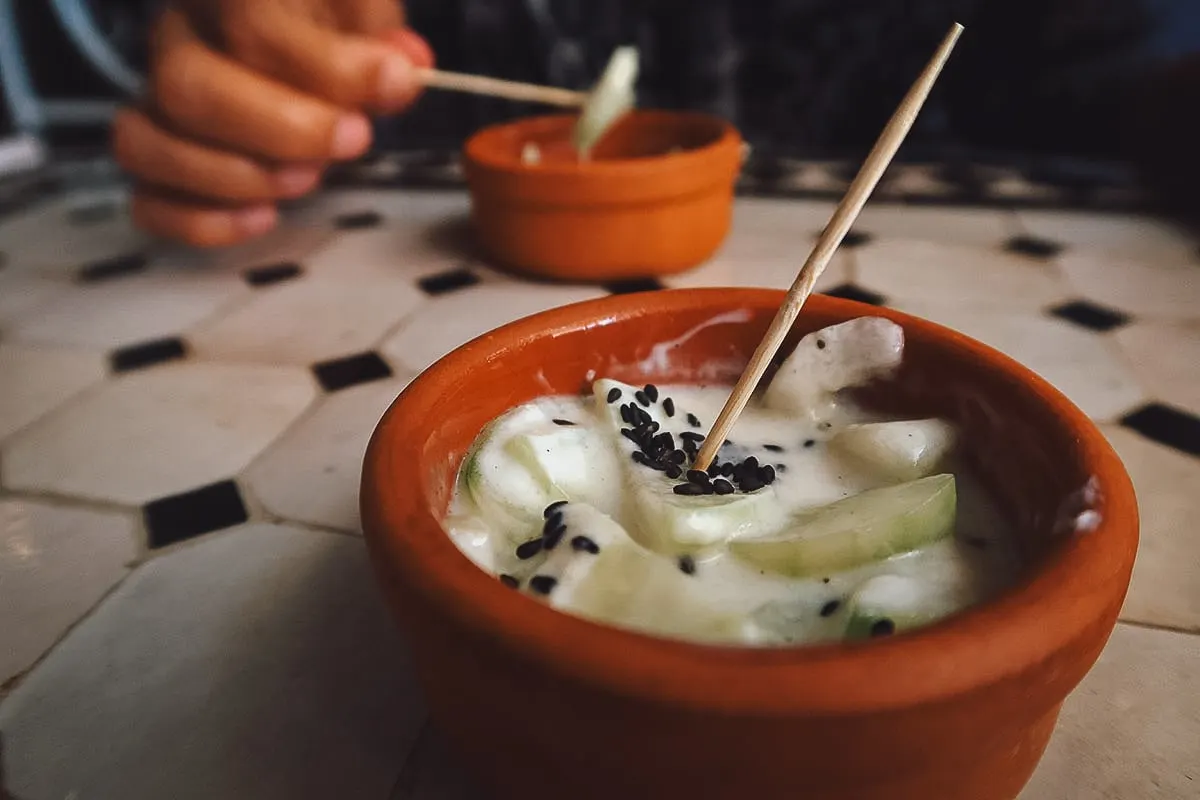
(1116, 236)
(1166, 576)
(399, 252)
(158, 432)
(36, 380)
(1130, 731)
(312, 473)
(45, 240)
(129, 309)
(55, 564)
(767, 244)
(937, 272)
(285, 243)
(451, 320)
(21, 292)
(908, 180)
(1141, 286)
(258, 663)
(306, 321)
(982, 227)
(1083, 365)
(1166, 357)
(394, 206)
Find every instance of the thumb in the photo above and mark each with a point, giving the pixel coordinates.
(411, 44)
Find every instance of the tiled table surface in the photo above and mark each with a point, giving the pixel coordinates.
(185, 605)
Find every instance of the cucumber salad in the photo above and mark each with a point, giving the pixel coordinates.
(817, 522)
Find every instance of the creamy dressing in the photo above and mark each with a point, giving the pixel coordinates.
(952, 573)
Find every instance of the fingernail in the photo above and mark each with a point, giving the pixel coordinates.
(253, 221)
(351, 136)
(395, 80)
(295, 181)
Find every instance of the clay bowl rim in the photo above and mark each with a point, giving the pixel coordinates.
(1063, 599)
(477, 153)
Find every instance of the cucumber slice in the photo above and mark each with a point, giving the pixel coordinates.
(671, 523)
(610, 98)
(866, 527)
(832, 359)
(888, 604)
(523, 461)
(904, 450)
(611, 578)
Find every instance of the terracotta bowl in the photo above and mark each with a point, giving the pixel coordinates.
(540, 703)
(634, 209)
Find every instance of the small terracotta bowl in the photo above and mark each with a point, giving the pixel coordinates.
(634, 209)
(541, 703)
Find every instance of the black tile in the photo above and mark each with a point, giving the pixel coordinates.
(850, 291)
(852, 239)
(112, 267)
(1173, 427)
(145, 354)
(1090, 315)
(92, 214)
(360, 219)
(452, 280)
(632, 285)
(341, 373)
(272, 273)
(182, 516)
(1033, 246)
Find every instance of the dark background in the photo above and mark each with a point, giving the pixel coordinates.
(1064, 84)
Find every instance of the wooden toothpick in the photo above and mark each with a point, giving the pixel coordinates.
(872, 170)
(495, 87)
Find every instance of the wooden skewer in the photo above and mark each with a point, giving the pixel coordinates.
(495, 87)
(839, 225)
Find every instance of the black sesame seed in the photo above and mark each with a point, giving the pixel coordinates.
(666, 440)
(583, 544)
(750, 483)
(883, 627)
(781, 467)
(714, 469)
(641, 398)
(829, 608)
(553, 521)
(820, 344)
(626, 415)
(527, 550)
(824, 580)
(673, 471)
(651, 427)
(652, 392)
(668, 406)
(707, 488)
(751, 463)
(677, 456)
(726, 443)
(658, 465)
(697, 476)
(693, 420)
(687, 565)
(553, 537)
(688, 489)
(774, 448)
(767, 474)
(614, 394)
(555, 506)
(630, 435)
(642, 416)
(824, 426)
(809, 442)
(722, 486)
(509, 581)
(727, 469)
(566, 423)
(542, 584)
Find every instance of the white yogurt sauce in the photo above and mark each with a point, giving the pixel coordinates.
(953, 573)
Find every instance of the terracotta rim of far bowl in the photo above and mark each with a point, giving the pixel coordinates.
(478, 151)
(1062, 600)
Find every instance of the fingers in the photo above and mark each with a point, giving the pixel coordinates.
(370, 17)
(158, 157)
(412, 45)
(207, 96)
(347, 70)
(199, 225)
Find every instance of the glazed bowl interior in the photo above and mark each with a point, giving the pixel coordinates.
(636, 137)
(1041, 457)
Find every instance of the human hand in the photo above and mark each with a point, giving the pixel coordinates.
(248, 102)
